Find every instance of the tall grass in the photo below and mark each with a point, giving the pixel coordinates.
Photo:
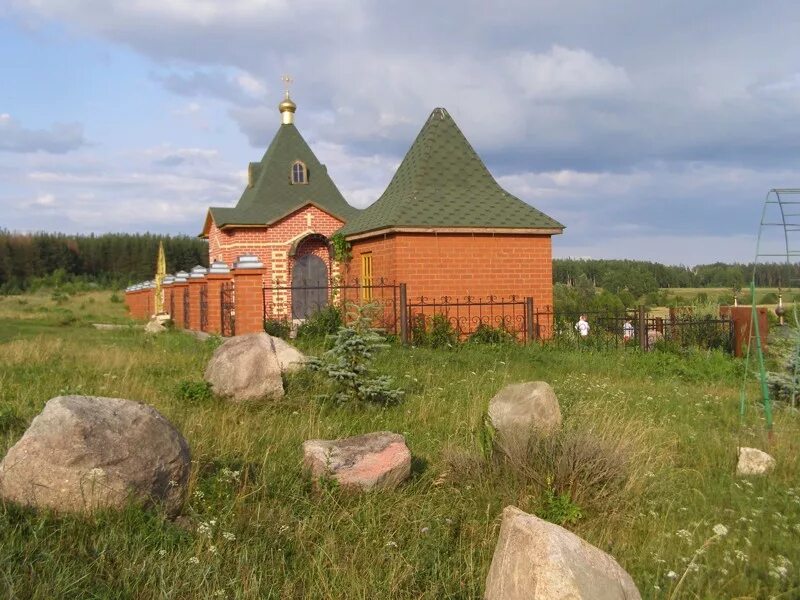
(647, 455)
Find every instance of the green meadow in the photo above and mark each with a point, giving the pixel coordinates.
(643, 469)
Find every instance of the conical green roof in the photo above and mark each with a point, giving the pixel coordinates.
(272, 195)
(442, 182)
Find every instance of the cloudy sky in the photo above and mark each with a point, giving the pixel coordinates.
(651, 130)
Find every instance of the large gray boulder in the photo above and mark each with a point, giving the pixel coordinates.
(82, 453)
(520, 411)
(244, 368)
(753, 461)
(372, 460)
(290, 358)
(537, 559)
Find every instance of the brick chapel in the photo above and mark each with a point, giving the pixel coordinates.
(443, 226)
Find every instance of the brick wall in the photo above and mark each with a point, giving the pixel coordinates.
(463, 264)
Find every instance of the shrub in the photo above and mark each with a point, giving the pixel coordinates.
(10, 421)
(348, 363)
(194, 391)
(277, 328)
(769, 298)
(486, 334)
(558, 508)
(438, 333)
(115, 298)
(322, 323)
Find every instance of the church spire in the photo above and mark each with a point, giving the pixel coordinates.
(287, 107)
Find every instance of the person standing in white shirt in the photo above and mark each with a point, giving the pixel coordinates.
(582, 326)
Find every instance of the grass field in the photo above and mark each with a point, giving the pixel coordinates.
(648, 458)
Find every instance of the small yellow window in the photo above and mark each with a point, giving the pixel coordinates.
(366, 277)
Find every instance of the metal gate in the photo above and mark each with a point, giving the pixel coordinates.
(204, 307)
(226, 305)
(309, 286)
(186, 308)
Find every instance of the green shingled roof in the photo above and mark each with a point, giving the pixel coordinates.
(442, 182)
(272, 195)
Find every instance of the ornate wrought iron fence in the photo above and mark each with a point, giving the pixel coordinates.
(172, 304)
(186, 308)
(645, 331)
(470, 315)
(227, 313)
(204, 307)
(382, 294)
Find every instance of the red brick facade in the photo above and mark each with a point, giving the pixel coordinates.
(462, 264)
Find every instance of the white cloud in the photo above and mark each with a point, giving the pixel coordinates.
(566, 73)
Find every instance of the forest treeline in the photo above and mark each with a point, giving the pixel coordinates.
(641, 277)
(109, 260)
(31, 260)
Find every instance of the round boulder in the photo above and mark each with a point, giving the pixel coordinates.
(82, 453)
(244, 368)
(519, 411)
(372, 460)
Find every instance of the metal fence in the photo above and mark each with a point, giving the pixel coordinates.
(204, 307)
(502, 317)
(226, 309)
(644, 331)
(186, 308)
(284, 302)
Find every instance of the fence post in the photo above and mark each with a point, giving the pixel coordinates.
(248, 275)
(218, 274)
(642, 328)
(403, 314)
(197, 279)
(528, 319)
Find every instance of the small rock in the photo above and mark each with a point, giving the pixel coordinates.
(520, 410)
(155, 325)
(82, 453)
(245, 368)
(753, 461)
(108, 326)
(373, 460)
(537, 559)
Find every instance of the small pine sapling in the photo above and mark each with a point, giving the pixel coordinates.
(348, 364)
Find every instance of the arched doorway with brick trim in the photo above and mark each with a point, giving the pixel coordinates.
(310, 275)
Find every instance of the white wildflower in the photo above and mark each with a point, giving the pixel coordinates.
(720, 530)
(194, 561)
(672, 575)
(228, 536)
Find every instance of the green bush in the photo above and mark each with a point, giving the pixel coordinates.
(10, 421)
(322, 323)
(116, 298)
(194, 391)
(769, 298)
(277, 328)
(486, 334)
(436, 333)
(559, 508)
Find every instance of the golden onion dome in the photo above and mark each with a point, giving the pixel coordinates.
(287, 105)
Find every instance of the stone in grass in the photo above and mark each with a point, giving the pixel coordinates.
(537, 559)
(82, 453)
(519, 411)
(245, 368)
(753, 461)
(372, 460)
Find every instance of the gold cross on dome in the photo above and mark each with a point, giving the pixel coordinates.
(287, 82)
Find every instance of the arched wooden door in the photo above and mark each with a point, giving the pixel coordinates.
(309, 286)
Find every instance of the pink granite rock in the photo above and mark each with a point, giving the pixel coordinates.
(373, 460)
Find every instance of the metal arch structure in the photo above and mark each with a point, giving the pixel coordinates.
(778, 242)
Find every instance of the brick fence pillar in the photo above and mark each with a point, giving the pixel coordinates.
(218, 274)
(181, 284)
(197, 279)
(248, 276)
